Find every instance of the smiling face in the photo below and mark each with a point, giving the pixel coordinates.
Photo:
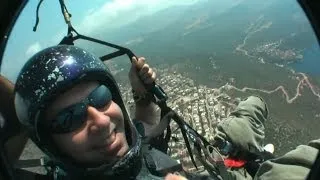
(101, 138)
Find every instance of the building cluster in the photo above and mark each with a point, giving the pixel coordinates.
(200, 106)
(274, 50)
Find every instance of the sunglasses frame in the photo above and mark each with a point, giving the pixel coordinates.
(62, 124)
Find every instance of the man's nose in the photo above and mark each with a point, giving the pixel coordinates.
(99, 121)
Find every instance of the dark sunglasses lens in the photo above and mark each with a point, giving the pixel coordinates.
(100, 97)
(70, 119)
(73, 117)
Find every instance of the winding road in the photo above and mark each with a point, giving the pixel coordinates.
(304, 81)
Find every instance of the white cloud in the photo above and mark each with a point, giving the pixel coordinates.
(12, 64)
(118, 13)
(33, 49)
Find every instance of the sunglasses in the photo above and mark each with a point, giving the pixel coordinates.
(74, 116)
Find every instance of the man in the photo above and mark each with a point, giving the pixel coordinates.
(244, 129)
(12, 134)
(13, 137)
(72, 108)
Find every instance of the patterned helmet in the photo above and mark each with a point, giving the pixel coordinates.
(51, 72)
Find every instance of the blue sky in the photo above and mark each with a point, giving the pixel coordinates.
(23, 42)
(87, 16)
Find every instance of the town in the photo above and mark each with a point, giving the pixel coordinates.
(200, 106)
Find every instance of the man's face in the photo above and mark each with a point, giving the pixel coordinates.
(101, 138)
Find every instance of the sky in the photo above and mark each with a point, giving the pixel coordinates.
(87, 16)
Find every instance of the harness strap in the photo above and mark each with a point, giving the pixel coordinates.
(159, 163)
(27, 163)
(28, 175)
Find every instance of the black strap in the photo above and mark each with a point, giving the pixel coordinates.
(37, 16)
(159, 163)
(6, 169)
(315, 169)
(28, 175)
(27, 163)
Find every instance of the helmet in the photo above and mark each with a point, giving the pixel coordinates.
(51, 72)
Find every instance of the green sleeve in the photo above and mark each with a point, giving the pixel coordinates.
(296, 164)
(244, 128)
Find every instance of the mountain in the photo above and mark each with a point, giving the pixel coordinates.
(192, 38)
